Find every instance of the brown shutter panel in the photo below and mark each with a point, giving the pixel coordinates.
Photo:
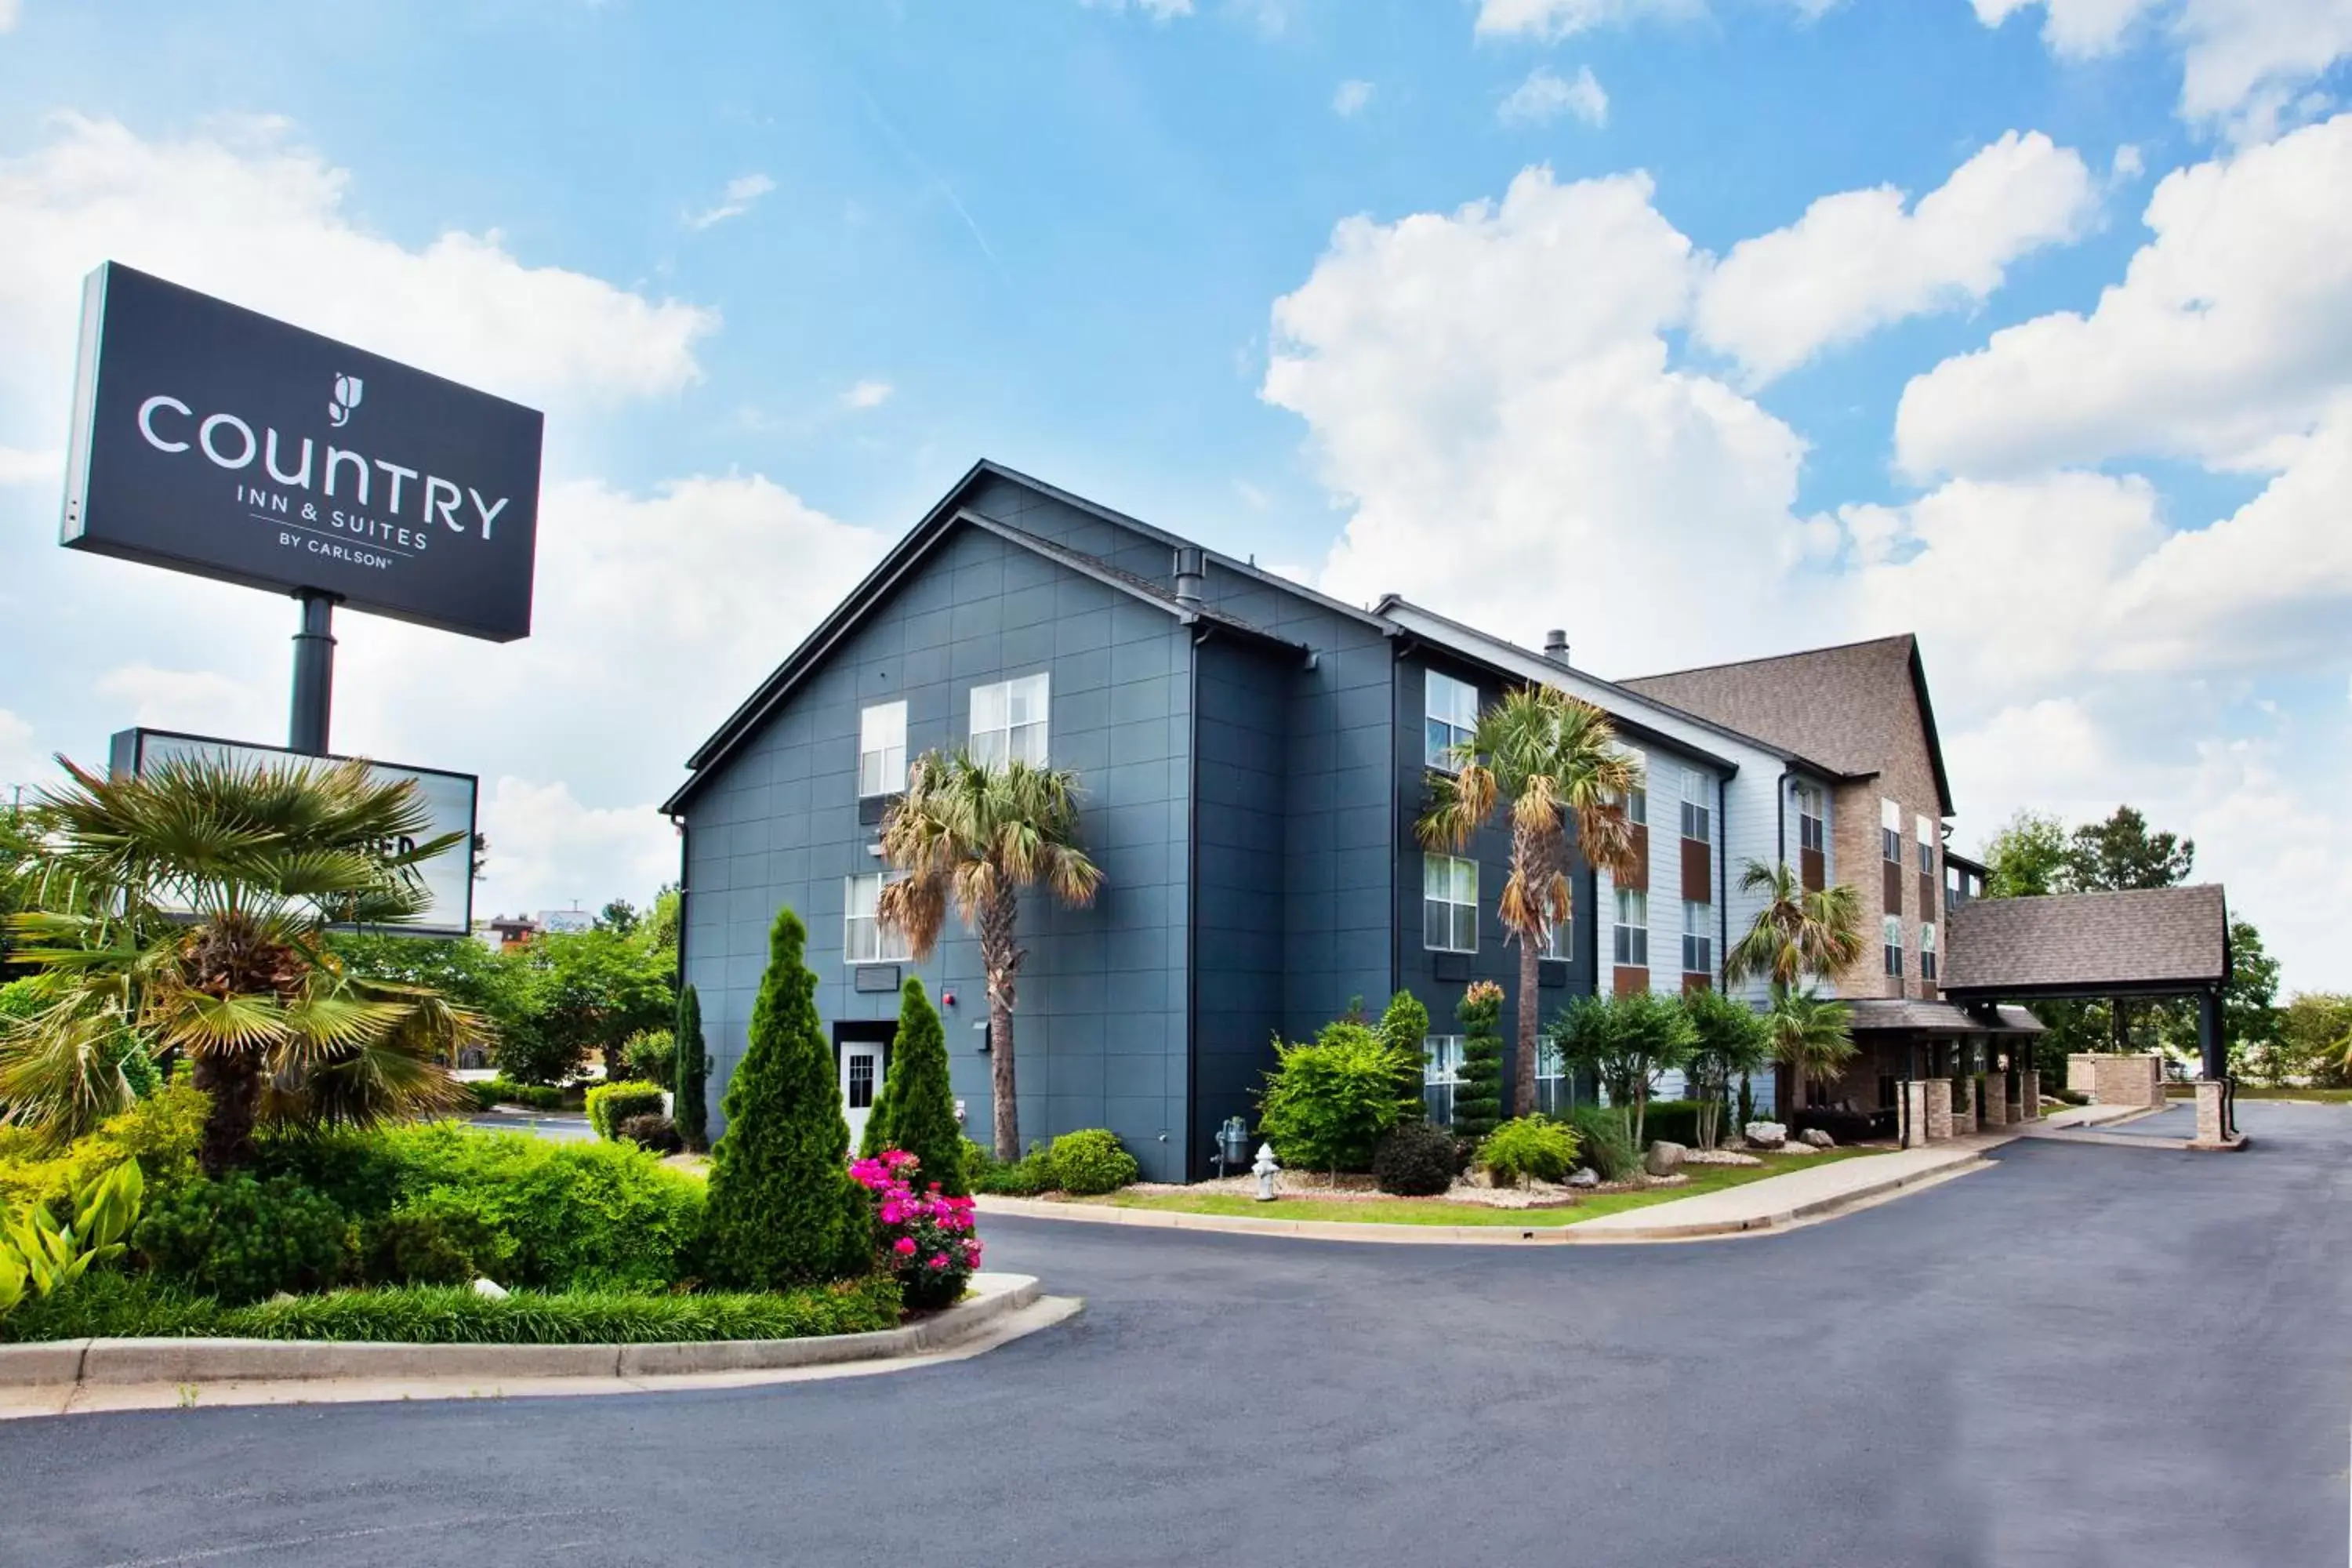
(1638, 878)
(1927, 895)
(1630, 980)
(1698, 871)
(1890, 885)
(1813, 868)
(1696, 982)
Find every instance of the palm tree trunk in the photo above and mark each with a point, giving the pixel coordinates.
(231, 1082)
(1001, 954)
(1524, 1093)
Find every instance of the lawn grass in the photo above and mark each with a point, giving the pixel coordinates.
(1437, 1211)
(2282, 1092)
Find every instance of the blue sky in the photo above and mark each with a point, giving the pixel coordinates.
(780, 274)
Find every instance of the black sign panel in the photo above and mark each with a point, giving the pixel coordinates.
(214, 441)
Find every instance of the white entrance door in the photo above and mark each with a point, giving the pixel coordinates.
(861, 1080)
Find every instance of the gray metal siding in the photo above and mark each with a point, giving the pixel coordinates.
(778, 826)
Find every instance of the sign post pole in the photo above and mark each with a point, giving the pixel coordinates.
(314, 674)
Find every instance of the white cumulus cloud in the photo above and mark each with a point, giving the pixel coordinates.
(1546, 95)
(1858, 260)
(1551, 20)
(867, 393)
(743, 193)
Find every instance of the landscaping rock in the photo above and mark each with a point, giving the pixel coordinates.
(1665, 1159)
(1719, 1157)
(1586, 1177)
(1767, 1135)
(1817, 1138)
(491, 1288)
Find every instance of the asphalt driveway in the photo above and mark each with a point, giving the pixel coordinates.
(2084, 1355)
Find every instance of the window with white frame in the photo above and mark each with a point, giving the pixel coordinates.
(1812, 818)
(882, 749)
(1699, 938)
(1632, 932)
(1926, 832)
(1008, 720)
(1927, 952)
(1441, 1075)
(1449, 903)
(1452, 714)
(864, 938)
(1558, 938)
(1890, 938)
(1890, 830)
(1698, 814)
(1553, 1096)
(1637, 799)
(1951, 888)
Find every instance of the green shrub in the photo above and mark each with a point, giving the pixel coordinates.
(1603, 1146)
(1675, 1121)
(1527, 1148)
(445, 1235)
(1417, 1161)
(117, 1305)
(491, 1093)
(691, 1102)
(241, 1239)
(1090, 1163)
(655, 1134)
(916, 1110)
(1024, 1178)
(783, 1210)
(161, 1132)
(1326, 1104)
(652, 1055)
(1404, 1029)
(1479, 1096)
(610, 1104)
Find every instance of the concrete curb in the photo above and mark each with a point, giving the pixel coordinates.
(173, 1361)
(1374, 1231)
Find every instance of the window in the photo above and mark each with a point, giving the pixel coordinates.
(1926, 826)
(1812, 818)
(1008, 720)
(1633, 931)
(1890, 936)
(1699, 938)
(1451, 706)
(1890, 830)
(1637, 799)
(1449, 903)
(864, 938)
(1926, 953)
(1553, 1096)
(1951, 889)
(1557, 942)
(1697, 816)
(1441, 1075)
(882, 750)
(861, 1083)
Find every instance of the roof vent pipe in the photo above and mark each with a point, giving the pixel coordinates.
(1188, 574)
(1556, 646)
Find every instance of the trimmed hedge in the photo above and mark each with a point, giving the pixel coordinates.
(114, 1305)
(610, 1104)
(1091, 1161)
(491, 1093)
(1417, 1161)
(1671, 1121)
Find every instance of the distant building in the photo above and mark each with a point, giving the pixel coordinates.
(505, 932)
(566, 922)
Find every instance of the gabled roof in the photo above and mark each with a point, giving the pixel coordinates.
(1841, 705)
(1868, 1014)
(1510, 658)
(920, 541)
(2146, 940)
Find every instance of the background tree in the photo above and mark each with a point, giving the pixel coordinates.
(1553, 761)
(2121, 852)
(782, 1209)
(690, 1095)
(916, 1110)
(1478, 1086)
(1625, 1042)
(217, 883)
(620, 917)
(975, 835)
(2314, 1043)
(589, 991)
(1729, 1039)
(491, 985)
(2028, 858)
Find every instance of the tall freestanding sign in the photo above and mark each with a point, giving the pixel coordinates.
(214, 440)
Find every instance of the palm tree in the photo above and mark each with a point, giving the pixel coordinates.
(192, 903)
(1800, 933)
(977, 834)
(1555, 761)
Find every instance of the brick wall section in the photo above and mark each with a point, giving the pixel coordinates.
(1940, 1107)
(2130, 1080)
(2029, 1103)
(2081, 1074)
(1914, 1113)
(1907, 777)
(1964, 1108)
(2208, 1111)
(1995, 1110)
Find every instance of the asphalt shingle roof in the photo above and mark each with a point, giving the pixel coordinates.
(2153, 936)
(1937, 1018)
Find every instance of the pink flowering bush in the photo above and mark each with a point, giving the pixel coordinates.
(923, 1235)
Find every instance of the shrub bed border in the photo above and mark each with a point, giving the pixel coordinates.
(196, 1361)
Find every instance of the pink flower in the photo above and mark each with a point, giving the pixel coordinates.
(937, 1263)
(904, 1247)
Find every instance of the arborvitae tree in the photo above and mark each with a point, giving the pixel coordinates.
(691, 1080)
(1405, 1029)
(782, 1209)
(1478, 1098)
(916, 1110)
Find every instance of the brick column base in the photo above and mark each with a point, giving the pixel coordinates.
(2210, 1128)
(1996, 1100)
(2029, 1101)
(1939, 1109)
(1915, 1113)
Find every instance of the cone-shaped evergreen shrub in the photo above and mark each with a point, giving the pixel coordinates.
(690, 1089)
(916, 1110)
(1478, 1098)
(783, 1210)
(1404, 1029)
